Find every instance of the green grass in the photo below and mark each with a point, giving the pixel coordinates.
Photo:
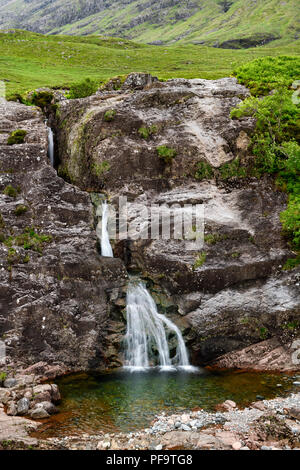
(31, 60)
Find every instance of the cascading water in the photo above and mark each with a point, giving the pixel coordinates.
(106, 249)
(50, 145)
(146, 328)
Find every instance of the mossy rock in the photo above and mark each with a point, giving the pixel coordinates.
(17, 137)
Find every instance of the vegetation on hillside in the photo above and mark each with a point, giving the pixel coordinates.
(276, 141)
(234, 23)
(30, 60)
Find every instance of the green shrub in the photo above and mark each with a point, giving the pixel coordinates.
(291, 263)
(3, 376)
(82, 89)
(21, 209)
(213, 238)
(204, 171)
(26, 259)
(12, 256)
(110, 115)
(200, 260)
(146, 132)
(275, 143)
(232, 170)
(100, 169)
(277, 120)
(290, 219)
(2, 223)
(263, 333)
(29, 240)
(166, 153)
(17, 137)
(15, 97)
(10, 191)
(288, 178)
(268, 73)
(42, 99)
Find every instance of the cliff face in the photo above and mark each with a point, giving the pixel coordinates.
(54, 286)
(62, 302)
(233, 292)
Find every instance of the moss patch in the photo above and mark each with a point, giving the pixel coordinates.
(16, 137)
(146, 132)
(166, 153)
(99, 169)
(10, 191)
(110, 115)
(30, 239)
(20, 210)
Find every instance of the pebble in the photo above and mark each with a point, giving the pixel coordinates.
(236, 445)
(185, 427)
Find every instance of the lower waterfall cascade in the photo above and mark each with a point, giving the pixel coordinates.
(146, 328)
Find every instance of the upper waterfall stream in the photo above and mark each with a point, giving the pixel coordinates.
(106, 249)
(50, 145)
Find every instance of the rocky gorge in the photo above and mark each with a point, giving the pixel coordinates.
(155, 143)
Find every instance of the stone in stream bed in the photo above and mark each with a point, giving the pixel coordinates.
(10, 383)
(23, 406)
(39, 413)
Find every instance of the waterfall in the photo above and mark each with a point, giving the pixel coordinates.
(50, 145)
(106, 249)
(146, 328)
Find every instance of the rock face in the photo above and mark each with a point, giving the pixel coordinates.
(62, 303)
(113, 139)
(54, 286)
(231, 293)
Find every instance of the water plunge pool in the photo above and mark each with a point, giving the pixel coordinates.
(126, 401)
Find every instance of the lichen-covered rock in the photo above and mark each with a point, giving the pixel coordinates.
(111, 139)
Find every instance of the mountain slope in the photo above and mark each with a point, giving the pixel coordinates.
(223, 23)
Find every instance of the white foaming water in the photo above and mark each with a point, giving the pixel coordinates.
(50, 146)
(146, 328)
(106, 249)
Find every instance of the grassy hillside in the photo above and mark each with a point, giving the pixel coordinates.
(31, 60)
(212, 22)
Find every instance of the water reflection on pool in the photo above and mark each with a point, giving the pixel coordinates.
(125, 401)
